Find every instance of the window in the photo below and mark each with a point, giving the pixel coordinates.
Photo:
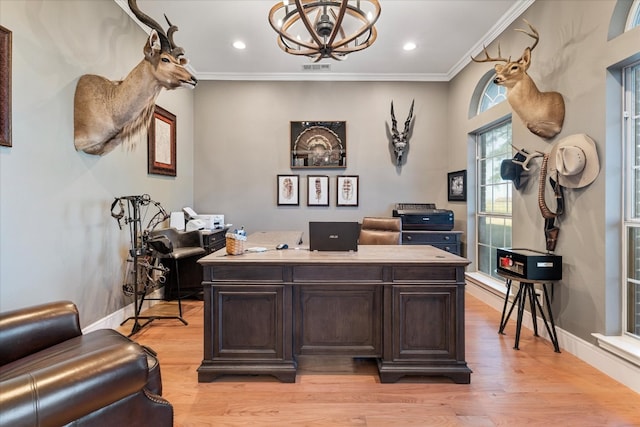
(493, 217)
(634, 16)
(631, 239)
(492, 94)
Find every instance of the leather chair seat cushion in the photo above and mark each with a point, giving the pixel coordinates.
(81, 375)
(179, 253)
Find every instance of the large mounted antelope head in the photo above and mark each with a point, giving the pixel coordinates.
(400, 140)
(106, 112)
(541, 112)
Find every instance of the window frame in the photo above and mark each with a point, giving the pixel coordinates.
(633, 19)
(631, 218)
(483, 213)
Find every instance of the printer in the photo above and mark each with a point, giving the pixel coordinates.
(202, 221)
(423, 217)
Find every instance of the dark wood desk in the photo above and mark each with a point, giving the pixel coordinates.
(402, 305)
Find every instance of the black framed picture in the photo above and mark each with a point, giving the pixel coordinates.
(317, 144)
(161, 143)
(457, 186)
(347, 190)
(317, 190)
(288, 190)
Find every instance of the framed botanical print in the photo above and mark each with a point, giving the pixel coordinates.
(347, 190)
(288, 190)
(317, 190)
(317, 144)
(457, 186)
(161, 143)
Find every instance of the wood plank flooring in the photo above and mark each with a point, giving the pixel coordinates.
(531, 387)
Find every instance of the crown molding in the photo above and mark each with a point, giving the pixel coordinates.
(518, 8)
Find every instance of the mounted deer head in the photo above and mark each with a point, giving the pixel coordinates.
(541, 112)
(400, 140)
(106, 112)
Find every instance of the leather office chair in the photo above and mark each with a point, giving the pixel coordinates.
(179, 251)
(380, 231)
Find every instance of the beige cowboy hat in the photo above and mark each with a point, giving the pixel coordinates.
(574, 161)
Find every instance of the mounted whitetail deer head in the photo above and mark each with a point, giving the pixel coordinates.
(541, 112)
(400, 140)
(106, 112)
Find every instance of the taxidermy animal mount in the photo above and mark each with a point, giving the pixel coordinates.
(541, 112)
(400, 140)
(106, 112)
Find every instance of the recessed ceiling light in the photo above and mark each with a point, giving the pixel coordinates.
(409, 46)
(239, 45)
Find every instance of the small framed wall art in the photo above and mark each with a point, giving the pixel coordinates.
(317, 190)
(161, 143)
(288, 190)
(316, 144)
(347, 190)
(457, 186)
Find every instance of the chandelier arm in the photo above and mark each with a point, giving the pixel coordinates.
(338, 24)
(305, 20)
(289, 19)
(368, 27)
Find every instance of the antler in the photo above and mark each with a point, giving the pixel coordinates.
(175, 50)
(534, 33)
(394, 123)
(166, 41)
(490, 59)
(408, 121)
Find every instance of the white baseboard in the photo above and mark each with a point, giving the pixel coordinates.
(617, 368)
(113, 320)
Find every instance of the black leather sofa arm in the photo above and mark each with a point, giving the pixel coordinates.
(29, 330)
(66, 390)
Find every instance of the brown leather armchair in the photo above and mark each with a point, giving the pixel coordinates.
(52, 375)
(380, 231)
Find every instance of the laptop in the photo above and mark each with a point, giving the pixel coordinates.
(333, 236)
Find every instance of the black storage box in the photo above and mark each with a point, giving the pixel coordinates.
(529, 264)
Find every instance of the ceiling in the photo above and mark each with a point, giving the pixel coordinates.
(446, 33)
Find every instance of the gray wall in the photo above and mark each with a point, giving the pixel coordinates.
(243, 140)
(58, 239)
(572, 58)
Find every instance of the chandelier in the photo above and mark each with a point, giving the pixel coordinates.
(325, 28)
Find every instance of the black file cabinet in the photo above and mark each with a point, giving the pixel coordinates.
(445, 240)
(213, 240)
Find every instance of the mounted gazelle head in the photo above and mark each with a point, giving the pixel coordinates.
(106, 113)
(541, 112)
(400, 140)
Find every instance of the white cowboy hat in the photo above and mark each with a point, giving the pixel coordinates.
(574, 160)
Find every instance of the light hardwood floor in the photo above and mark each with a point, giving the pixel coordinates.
(531, 387)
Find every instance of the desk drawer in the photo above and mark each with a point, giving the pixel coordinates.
(429, 238)
(447, 241)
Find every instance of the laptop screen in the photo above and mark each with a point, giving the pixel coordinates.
(333, 236)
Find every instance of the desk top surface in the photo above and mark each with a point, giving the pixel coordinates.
(299, 253)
